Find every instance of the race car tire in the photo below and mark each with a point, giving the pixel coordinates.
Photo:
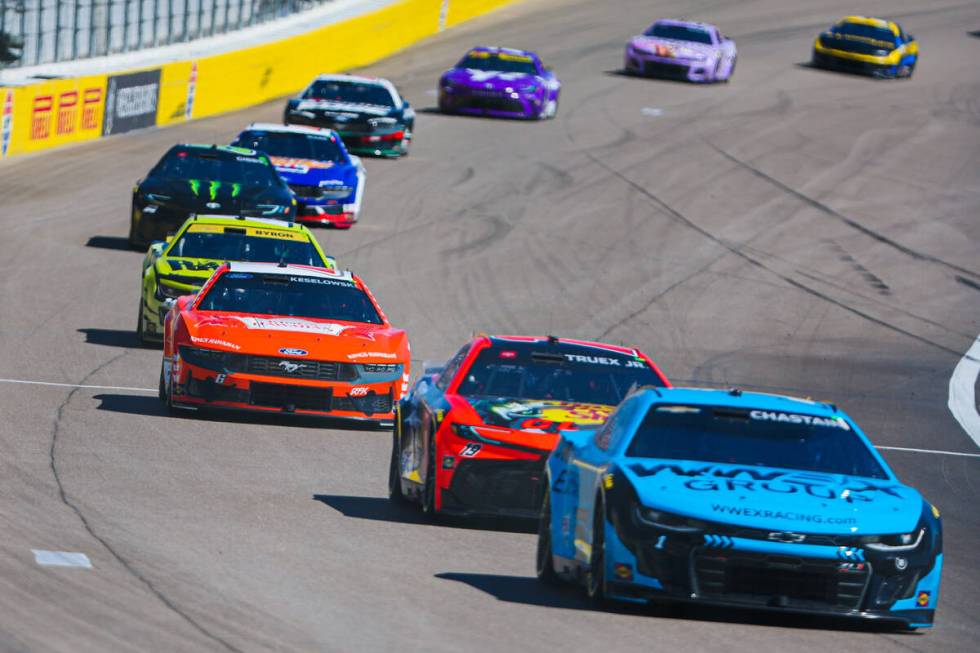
(731, 71)
(394, 481)
(406, 143)
(905, 72)
(429, 489)
(545, 562)
(140, 335)
(163, 393)
(595, 577)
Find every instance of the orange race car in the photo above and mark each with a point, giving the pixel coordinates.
(280, 338)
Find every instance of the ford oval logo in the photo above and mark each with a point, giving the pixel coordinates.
(285, 351)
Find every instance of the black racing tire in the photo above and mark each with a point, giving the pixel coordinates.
(595, 578)
(544, 560)
(134, 242)
(731, 71)
(429, 488)
(395, 494)
(140, 335)
(163, 393)
(905, 72)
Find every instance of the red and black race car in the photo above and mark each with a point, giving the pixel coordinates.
(472, 437)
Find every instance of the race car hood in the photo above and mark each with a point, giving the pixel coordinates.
(533, 415)
(193, 271)
(267, 335)
(856, 44)
(775, 499)
(319, 174)
(214, 197)
(491, 79)
(686, 50)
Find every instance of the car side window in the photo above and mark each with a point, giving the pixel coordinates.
(452, 367)
(603, 437)
(611, 433)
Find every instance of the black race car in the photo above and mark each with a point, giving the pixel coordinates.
(368, 113)
(212, 179)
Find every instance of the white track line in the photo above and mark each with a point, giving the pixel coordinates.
(962, 394)
(61, 559)
(78, 385)
(935, 451)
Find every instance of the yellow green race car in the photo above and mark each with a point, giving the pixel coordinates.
(181, 264)
(872, 46)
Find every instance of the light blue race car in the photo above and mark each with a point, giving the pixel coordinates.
(741, 500)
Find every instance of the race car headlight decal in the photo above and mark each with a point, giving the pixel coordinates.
(209, 359)
(894, 543)
(531, 88)
(165, 291)
(159, 199)
(667, 521)
(471, 433)
(378, 372)
(882, 53)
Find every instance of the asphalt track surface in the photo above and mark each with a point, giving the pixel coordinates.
(794, 231)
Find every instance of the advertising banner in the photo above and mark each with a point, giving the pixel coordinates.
(131, 101)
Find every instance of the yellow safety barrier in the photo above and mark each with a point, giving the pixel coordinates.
(56, 112)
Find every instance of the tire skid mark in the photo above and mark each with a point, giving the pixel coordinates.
(680, 217)
(63, 495)
(823, 208)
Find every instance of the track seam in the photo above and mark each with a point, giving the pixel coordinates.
(826, 210)
(677, 215)
(52, 461)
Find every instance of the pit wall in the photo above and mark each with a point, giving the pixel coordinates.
(52, 113)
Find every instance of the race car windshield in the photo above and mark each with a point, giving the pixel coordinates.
(574, 374)
(285, 295)
(883, 37)
(231, 246)
(350, 93)
(758, 438)
(223, 167)
(293, 146)
(678, 33)
(498, 63)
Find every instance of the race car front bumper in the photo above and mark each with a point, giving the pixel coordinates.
(836, 60)
(489, 102)
(198, 386)
(650, 65)
(753, 573)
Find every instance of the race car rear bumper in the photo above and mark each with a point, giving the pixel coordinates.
(497, 488)
(325, 214)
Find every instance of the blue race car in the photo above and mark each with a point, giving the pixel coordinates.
(327, 181)
(740, 500)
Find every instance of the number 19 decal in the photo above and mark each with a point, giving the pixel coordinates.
(470, 450)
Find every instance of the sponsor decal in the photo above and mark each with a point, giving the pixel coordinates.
(299, 166)
(709, 478)
(470, 450)
(922, 599)
(91, 107)
(191, 89)
(541, 416)
(214, 341)
(602, 360)
(288, 351)
(7, 127)
(623, 571)
(191, 265)
(371, 354)
(67, 112)
(792, 418)
(322, 282)
(359, 391)
(786, 537)
(293, 324)
(41, 117)
(131, 101)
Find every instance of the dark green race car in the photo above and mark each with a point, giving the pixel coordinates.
(212, 179)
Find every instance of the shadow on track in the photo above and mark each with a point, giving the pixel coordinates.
(381, 509)
(117, 243)
(527, 590)
(113, 338)
(144, 405)
(434, 111)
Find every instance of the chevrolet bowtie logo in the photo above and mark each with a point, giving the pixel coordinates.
(781, 536)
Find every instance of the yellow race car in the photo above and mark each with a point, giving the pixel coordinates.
(181, 264)
(872, 46)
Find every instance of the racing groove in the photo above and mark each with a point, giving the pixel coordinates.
(793, 231)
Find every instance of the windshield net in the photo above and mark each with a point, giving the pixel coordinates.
(502, 62)
(350, 93)
(215, 165)
(236, 244)
(293, 146)
(561, 372)
(760, 438)
(678, 33)
(290, 296)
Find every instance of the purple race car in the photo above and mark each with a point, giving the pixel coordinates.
(500, 82)
(679, 49)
